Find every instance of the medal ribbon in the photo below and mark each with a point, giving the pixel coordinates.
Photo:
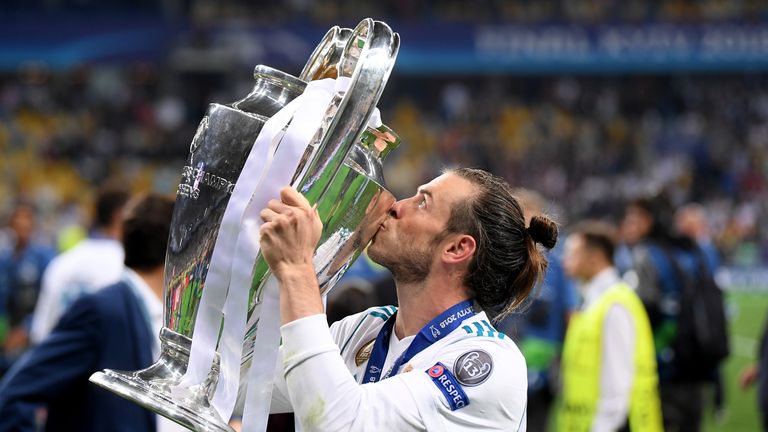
(435, 330)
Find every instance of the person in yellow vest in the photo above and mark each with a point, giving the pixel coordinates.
(608, 366)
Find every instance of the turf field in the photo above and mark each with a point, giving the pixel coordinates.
(747, 312)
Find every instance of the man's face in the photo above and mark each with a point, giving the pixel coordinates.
(636, 224)
(23, 223)
(408, 241)
(577, 258)
(692, 223)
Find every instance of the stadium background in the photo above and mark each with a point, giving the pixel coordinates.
(588, 102)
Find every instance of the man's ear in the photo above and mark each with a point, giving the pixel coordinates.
(459, 249)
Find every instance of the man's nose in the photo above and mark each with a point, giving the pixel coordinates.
(395, 210)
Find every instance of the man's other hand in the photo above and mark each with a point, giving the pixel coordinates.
(290, 232)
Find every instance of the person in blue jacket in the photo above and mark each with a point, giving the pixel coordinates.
(114, 328)
(21, 270)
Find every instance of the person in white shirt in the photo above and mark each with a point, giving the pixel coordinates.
(116, 327)
(92, 264)
(608, 345)
(461, 256)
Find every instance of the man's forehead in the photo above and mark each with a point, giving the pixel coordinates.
(448, 186)
(573, 241)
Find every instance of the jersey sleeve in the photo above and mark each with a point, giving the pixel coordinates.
(325, 397)
(341, 331)
(478, 383)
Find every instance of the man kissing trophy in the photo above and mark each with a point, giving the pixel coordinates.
(319, 132)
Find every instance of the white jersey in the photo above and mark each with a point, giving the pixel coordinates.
(473, 378)
(93, 264)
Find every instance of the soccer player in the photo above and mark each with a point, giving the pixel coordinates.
(461, 257)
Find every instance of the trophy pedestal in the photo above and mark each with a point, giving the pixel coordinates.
(154, 388)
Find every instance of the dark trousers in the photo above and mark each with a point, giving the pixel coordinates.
(539, 404)
(682, 406)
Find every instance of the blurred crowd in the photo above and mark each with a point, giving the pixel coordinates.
(499, 11)
(587, 144)
(478, 11)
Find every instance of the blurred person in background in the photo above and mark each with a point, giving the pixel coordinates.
(94, 263)
(758, 373)
(539, 329)
(350, 296)
(114, 328)
(691, 221)
(366, 275)
(21, 271)
(609, 373)
(669, 271)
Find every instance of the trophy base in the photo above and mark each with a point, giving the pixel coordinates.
(156, 387)
(194, 416)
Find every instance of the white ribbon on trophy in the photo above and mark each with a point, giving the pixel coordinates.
(268, 168)
(261, 373)
(209, 314)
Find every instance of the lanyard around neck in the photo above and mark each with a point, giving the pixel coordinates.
(435, 330)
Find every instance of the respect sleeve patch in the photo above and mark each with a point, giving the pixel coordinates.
(449, 385)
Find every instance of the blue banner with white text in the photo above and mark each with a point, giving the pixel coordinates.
(426, 48)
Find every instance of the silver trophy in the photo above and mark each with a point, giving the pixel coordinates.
(340, 172)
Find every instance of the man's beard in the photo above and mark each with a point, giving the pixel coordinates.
(411, 264)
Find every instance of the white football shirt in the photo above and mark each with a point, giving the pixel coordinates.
(91, 265)
(473, 378)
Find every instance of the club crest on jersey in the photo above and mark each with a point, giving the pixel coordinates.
(473, 368)
(364, 353)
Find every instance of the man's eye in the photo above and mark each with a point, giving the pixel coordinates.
(423, 203)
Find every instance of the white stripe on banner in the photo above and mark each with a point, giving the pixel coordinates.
(305, 124)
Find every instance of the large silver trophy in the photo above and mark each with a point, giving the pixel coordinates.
(340, 172)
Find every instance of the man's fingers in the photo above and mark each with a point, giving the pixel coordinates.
(292, 197)
(277, 206)
(268, 215)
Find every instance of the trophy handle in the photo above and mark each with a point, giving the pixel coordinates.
(324, 61)
(368, 59)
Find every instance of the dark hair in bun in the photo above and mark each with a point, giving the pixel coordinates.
(543, 231)
(506, 264)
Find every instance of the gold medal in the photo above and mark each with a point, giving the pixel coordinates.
(364, 353)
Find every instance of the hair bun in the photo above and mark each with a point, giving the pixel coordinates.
(543, 231)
